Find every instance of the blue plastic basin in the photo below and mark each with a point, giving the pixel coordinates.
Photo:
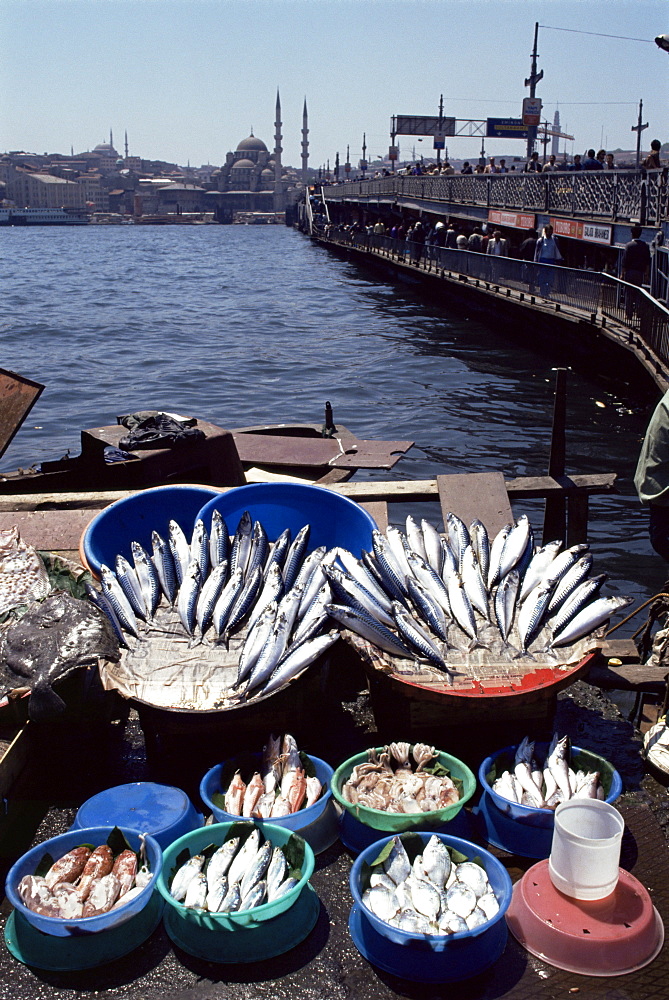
(502, 760)
(211, 783)
(57, 847)
(334, 519)
(435, 957)
(135, 517)
(163, 811)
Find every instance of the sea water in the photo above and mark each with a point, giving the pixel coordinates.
(244, 325)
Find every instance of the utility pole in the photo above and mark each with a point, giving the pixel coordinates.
(531, 82)
(638, 128)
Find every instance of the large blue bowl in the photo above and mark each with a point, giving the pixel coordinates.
(297, 822)
(434, 957)
(335, 520)
(502, 760)
(57, 847)
(134, 518)
(163, 811)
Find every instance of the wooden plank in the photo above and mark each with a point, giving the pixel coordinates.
(49, 529)
(627, 676)
(379, 511)
(399, 491)
(479, 495)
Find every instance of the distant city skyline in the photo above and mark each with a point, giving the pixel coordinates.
(189, 79)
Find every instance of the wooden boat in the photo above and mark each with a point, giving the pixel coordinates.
(307, 453)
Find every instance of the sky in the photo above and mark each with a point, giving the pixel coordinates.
(189, 79)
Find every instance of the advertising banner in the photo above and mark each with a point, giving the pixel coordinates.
(517, 220)
(590, 232)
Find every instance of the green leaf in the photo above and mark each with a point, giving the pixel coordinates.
(62, 577)
(293, 851)
(307, 764)
(117, 843)
(45, 863)
(218, 799)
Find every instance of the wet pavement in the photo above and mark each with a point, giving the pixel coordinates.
(71, 763)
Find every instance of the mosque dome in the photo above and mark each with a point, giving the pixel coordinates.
(267, 172)
(243, 165)
(252, 143)
(105, 149)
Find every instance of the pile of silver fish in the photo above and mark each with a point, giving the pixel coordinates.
(433, 895)
(85, 883)
(219, 584)
(545, 787)
(420, 594)
(235, 877)
(280, 788)
(388, 782)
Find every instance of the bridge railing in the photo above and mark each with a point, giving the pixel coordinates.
(591, 292)
(612, 195)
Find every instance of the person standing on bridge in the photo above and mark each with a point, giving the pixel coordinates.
(547, 252)
(651, 478)
(533, 165)
(634, 265)
(497, 246)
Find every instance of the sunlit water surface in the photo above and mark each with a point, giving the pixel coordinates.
(242, 325)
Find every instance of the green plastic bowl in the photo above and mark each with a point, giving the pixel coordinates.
(389, 822)
(218, 833)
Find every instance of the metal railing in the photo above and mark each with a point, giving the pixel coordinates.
(591, 292)
(613, 195)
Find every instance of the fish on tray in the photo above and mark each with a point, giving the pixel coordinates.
(545, 786)
(435, 598)
(432, 895)
(236, 876)
(220, 584)
(280, 788)
(388, 781)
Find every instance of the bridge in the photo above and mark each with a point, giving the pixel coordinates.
(614, 199)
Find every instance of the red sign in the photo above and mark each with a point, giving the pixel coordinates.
(590, 232)
(517, 220)
(531, 111)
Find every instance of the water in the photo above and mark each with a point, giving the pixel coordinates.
(243, 325)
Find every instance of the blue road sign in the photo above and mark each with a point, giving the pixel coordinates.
(506, 128)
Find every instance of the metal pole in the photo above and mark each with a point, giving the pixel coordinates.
(638, 128)
(555, 519)
(441, 115)
(532, 82)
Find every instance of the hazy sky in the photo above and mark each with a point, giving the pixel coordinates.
(188, 79)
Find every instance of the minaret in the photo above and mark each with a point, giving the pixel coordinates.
(126, 144)
(111, 139)
(555, 144)
(278, 187)
(305, 143)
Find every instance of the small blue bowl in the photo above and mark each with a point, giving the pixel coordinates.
(57, 847)
(432, 957)
(334, 519)
(298, 822)
(134, 518)
(163, 811)
(502, 760)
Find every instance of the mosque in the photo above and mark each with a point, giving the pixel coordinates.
(253, 180)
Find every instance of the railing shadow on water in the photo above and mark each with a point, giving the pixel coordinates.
(591, 292)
